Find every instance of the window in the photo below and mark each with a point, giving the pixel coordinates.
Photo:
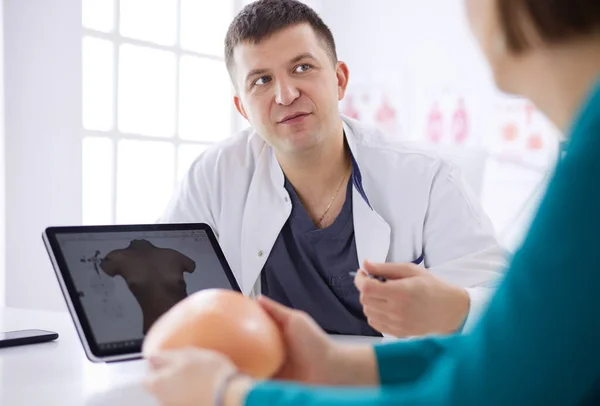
(155, 94)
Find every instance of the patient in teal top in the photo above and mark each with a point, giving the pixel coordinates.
(538, 343)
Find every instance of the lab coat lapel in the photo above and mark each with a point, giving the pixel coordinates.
(266, 210)
(371, 231)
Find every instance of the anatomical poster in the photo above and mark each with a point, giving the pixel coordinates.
(383, 106)
(446, 116)
(520, 133)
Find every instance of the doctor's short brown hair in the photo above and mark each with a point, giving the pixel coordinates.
(259, 20)
(554, 21)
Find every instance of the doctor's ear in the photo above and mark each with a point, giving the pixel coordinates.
(239, 106)
(343, 75)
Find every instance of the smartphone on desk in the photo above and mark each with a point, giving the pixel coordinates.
(24, 337)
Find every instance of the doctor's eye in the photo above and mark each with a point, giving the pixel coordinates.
(303, 68)
(263, 80)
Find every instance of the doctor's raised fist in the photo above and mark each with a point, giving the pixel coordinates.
(411, 302)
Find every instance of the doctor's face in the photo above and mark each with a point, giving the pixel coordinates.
(288, 88)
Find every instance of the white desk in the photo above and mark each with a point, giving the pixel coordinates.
(58, 373)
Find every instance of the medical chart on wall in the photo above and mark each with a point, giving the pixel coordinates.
(511, 129)
(378, 104)
(518, 132)
(446, 116)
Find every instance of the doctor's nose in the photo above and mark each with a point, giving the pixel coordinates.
(286, 92)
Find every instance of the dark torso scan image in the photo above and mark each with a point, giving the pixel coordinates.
(154, 275)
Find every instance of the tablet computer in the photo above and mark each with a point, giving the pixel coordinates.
(118, 280)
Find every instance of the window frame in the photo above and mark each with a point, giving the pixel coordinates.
(114, 134)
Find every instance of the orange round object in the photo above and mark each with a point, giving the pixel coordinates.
(223, 321)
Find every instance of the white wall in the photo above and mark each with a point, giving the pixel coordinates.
(43, 140)
(2, 159)
(393, 36)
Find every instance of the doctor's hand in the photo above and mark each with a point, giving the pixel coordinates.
(313, 357)
(191, 377)
(412, 302)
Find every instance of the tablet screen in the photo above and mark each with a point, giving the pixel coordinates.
(124, 281)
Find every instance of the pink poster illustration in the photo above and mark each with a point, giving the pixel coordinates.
(435, 124)
(460, 123)
(521, 134)
(386, 116)
(446, 117)
(377, 105)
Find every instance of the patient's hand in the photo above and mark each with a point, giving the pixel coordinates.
(312, 357)
(412, 302)
(191, 377)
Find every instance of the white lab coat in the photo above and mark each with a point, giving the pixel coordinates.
(417, 204)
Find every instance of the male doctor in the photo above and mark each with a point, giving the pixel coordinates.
(306, 196)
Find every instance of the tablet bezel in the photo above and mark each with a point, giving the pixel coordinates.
(69, 291)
